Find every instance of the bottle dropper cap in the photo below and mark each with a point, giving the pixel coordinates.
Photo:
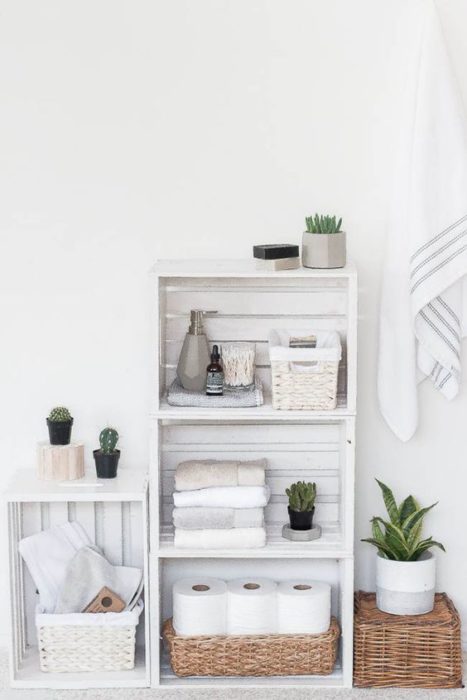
(215, 353)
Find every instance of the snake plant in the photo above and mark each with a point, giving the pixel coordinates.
(400, 537)
(322, 224)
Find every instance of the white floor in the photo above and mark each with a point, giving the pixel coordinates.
(215, 694)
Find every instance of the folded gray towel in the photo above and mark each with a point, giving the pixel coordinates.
(87, 573)
(234, 398)
(217, 518)
(204, 473)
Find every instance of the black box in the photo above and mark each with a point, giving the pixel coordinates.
(276, 251)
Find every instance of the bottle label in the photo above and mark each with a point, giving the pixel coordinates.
(215, 383)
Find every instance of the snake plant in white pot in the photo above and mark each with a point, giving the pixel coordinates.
(405, 568)
(323, 243)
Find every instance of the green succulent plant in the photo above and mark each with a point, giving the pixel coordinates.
(400, 537)
(322, 224)
(302, 496)
(59, 414)
(108, 439)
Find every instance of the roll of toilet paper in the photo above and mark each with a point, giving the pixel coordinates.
(303, 607)
(199, 606)
(251, 606)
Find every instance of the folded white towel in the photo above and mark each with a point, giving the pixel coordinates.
(240, 538)
(217, 518)
(224, 497)
(423, 309)
(204, 473)
(47, 555)
(87, 573)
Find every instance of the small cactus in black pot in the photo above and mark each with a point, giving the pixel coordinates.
(301, 507)
(59, 424)
(107, 456)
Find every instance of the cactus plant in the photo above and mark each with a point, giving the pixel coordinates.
(322, 224)
(59, 414)
(301, 496)
(108, 439)
(401, 539)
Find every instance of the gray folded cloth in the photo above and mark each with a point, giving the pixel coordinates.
(233, 398)
(204, 473)
(87, 573)
(217, 518)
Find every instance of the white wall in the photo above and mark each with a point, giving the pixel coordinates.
(136, 130)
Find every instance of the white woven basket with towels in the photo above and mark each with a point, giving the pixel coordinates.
(304, 378)
(87, 641)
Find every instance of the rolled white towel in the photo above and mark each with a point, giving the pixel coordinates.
(236, 538)
(224, 497)
(217, 518)
(204, 473)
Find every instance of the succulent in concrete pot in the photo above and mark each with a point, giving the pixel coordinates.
(106, 458)
(59, 423)
(323, 243)
(301, 506)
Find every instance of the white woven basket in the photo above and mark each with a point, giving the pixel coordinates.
(304, 378)
(87, 641)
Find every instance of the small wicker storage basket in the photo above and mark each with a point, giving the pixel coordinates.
(255, 655)
(87, 641)
(304, 378)
(407, 651)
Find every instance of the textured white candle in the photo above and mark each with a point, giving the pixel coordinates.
(303, 607)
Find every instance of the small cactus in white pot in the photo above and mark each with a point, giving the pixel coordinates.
(106, 458)
(323, 243)
(405, 568)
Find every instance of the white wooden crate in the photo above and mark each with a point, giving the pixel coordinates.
(114, 513)
(317, 445)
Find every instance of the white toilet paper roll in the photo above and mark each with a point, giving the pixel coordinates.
(303, 607)
(251, 606)
(199, 606)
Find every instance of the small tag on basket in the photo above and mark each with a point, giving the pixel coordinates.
(105, 601)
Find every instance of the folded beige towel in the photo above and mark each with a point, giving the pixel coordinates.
(199, 474)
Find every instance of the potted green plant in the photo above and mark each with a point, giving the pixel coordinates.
(301, 505)
(323, 243)
(405, 568)
(59, 424)
(106, 458)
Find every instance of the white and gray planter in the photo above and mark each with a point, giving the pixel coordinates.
(406, 587)
(324, 250)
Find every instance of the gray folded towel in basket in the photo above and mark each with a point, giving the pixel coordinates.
(87, 573)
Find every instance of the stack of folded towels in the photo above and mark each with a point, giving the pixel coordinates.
(219, 504)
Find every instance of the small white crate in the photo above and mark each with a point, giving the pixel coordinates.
(304, 378)
(87, 641)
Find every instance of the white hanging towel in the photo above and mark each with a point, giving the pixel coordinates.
(424, 284)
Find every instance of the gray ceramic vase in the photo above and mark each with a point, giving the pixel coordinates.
(323, 250)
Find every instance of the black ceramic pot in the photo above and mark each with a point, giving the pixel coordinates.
(301, 519)
(59, 431)
(106, 464)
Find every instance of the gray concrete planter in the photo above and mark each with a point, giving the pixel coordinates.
(323, 250)
(406, 587)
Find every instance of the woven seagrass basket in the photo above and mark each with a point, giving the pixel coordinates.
(108, 644)
(407, 651)
(304, 378)
(255, 655)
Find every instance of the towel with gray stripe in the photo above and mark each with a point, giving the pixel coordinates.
(424, 296)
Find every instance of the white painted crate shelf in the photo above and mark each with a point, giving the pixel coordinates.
(311, 445)
(114, 513)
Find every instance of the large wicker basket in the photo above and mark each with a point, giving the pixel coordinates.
(407, 651)
(87, 641)
(304, 378)
(255, 655)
